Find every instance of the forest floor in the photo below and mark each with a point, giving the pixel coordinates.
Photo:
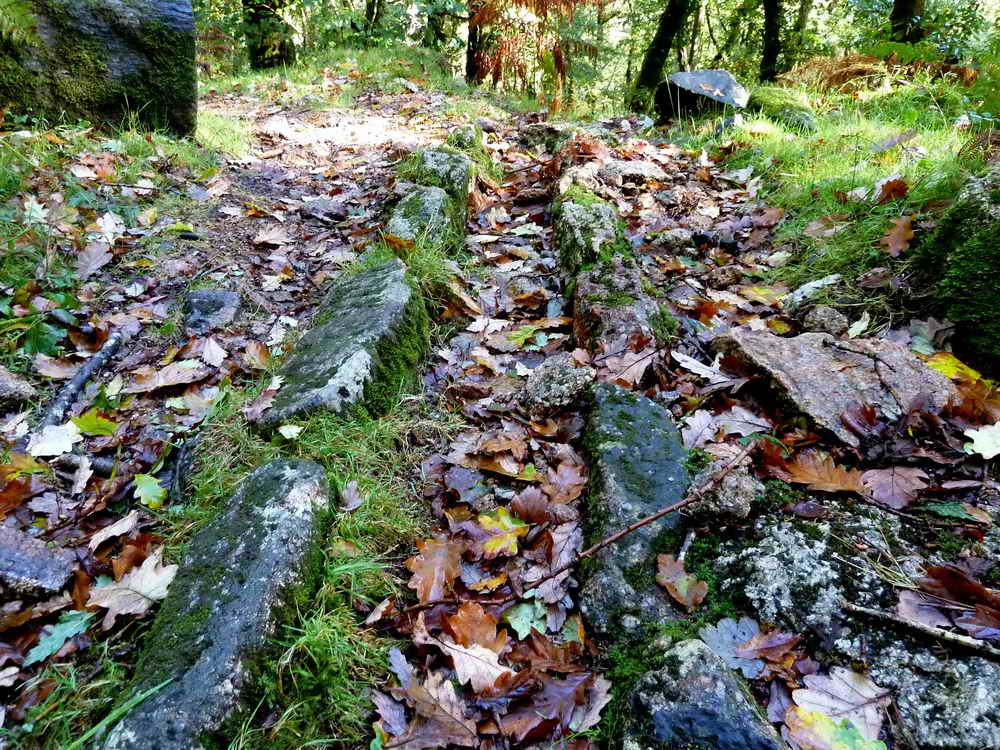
(461, 488)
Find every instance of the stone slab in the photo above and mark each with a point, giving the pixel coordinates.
(424, 213)
(437, 167)
(14, 390)
(696, 702)
(238, 574)
(585, 232)
(210, 309)
(334, 362)
(30, 566)
(824, 376)
(637, 468)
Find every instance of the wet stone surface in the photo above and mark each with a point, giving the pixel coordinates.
(210, 309)
(696, 702)
(334, 361)
(236, 576)
(555, 384)
(14, 390)
(637, 468)
(30, 566)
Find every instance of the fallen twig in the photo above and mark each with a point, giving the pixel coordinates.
(69, 392)
(943, 635)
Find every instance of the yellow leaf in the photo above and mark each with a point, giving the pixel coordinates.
(505, 530)
(951, 366)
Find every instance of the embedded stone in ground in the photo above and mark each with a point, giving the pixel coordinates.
(424, 212)
(14, 390)
(448, 170)
(637, 468)
(103, 60)
(586, 229)
(210, 309)
(555, 384)
(621, 172)
(696, 702)
(608, 302)
(371, 333)
(238, 574)
(30, 566)
(824, 376)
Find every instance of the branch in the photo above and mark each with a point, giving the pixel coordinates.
(942, 635)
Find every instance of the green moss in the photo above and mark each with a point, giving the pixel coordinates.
(778, 494)
(574, 238)
(697, 460)
(949, 544)
(414, 169)
(664, 326)
(399, 356)
(468, 139)
(614, 298)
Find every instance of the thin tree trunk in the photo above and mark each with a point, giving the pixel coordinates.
(472, 72)
(693, 32)
(801, 19)
(772, 40)
(651, 71)
(905, 20)
(735, 27)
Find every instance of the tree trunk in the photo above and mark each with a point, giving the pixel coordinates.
(270, 41)
(472, 72)
(905, 20)
(772, 40)
(801, 19)
(735, 27)
(693, 34)
(651, 72)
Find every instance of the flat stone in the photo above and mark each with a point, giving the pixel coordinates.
(637, 468)
(824, 376)
(585, 232)
(638, 172)
(30, 566)
(362, 318)
(14, 390)
(693, 91)
(210, 309)
(696, 702)
(555, 384)
(826, 319)
(238, 574)
(423, 212)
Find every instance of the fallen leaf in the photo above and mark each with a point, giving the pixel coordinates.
(57, 369)
(136, 592)
(817, 470)
(54, 440)
(474, 664)
(685, 588)
(290, 431)
(504, 530)
(890, 188)
(844, 694)
(122, 527)
(895, 487)
(813, 730)
(148, 378)
(897, 239)
(985, 441)
(726, 636)
(352, 498)
(54, 637)
(436, 565)
(149, 491)
(93, 423)
(93, 258)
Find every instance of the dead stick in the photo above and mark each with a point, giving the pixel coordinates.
(940, 634)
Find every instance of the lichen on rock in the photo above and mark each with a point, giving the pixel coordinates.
(443, 167)
(587, 229)
(425, 214)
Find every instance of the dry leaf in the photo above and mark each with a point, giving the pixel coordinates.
(685, 588)
(897, 239)
(136, 592)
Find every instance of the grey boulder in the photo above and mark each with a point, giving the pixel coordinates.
(423, 214)
(30, 566)
(239, 573)
(14, 390)
(210, 309)
(696, 702)
(697, 90)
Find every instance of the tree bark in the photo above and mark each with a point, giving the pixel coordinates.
(693, 32)
(772, 40)
(735, 26)
(905, 20)
(472, 72)
(801, 19)
(651, 71)
(269, 39)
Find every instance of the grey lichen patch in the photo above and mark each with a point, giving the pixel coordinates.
(238, 576)
(363, 321)
(555, 384)
(587, 229)
(637, 468)
(443, 167)
(424, 214)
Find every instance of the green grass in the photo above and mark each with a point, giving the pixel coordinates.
(228, 135)
(808, 173)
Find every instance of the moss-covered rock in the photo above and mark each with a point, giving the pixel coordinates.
(103, 60)
(425, 214)
(637, 468)
(587, 229)
(783, 105)
(444, 167)
(241, 574)
(371, 333)
(963, 257)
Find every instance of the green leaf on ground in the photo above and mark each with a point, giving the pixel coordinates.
(54, 637)
(92, 423)
(149, 491)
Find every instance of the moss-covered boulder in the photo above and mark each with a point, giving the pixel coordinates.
(963, 257)
(783, 105)
(371, 333)
(443, 167)
(637, 468)
(425, 214)
(241, 574)
(102, 60)
(586, 229)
